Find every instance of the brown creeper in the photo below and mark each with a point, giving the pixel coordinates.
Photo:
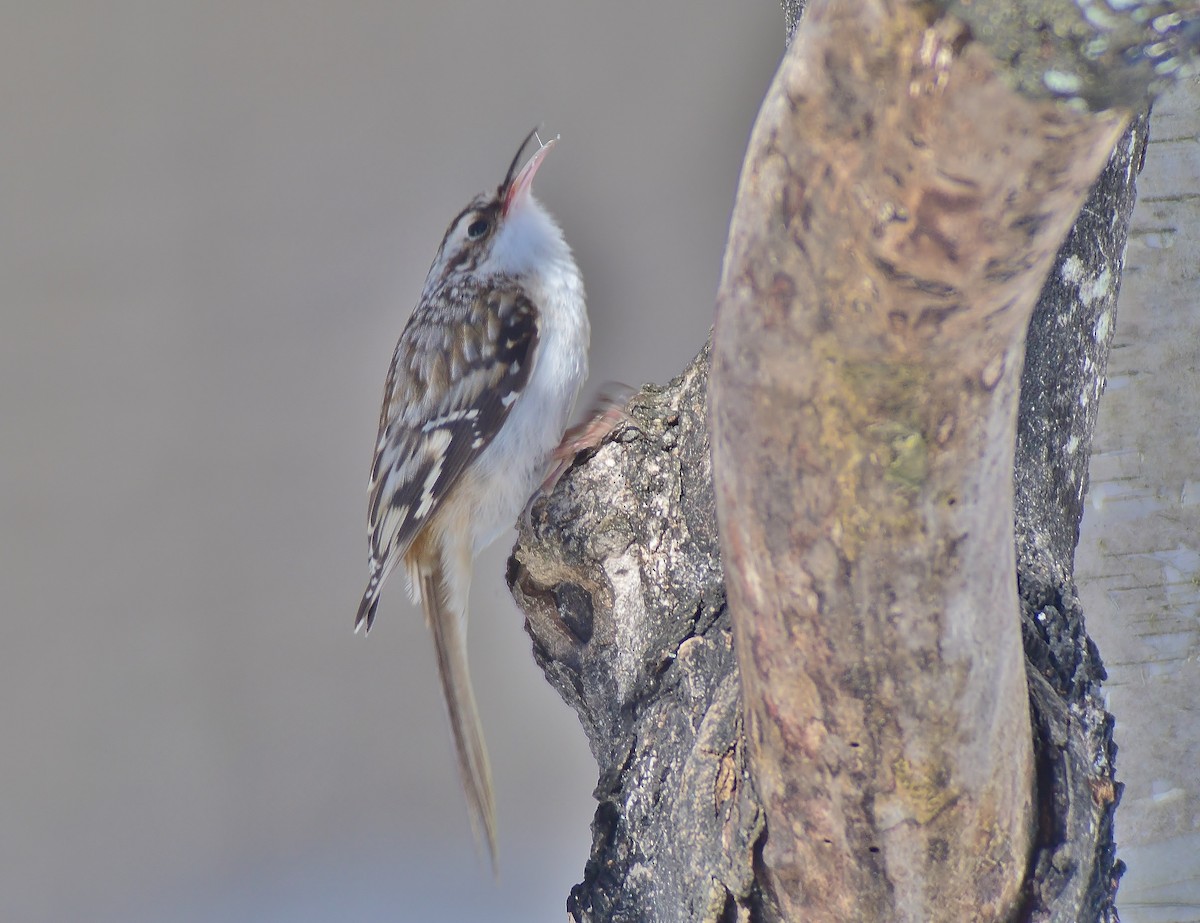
(480, 390)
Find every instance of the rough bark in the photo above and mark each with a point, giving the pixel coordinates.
(620, 575)
(1065, 358)
(1136, 564)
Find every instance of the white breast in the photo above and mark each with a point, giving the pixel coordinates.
(517, 460)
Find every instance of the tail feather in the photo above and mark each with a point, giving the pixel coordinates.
(370, 602)
(450, 643)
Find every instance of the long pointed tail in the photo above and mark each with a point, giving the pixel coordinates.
(370, 601)
(450, 643)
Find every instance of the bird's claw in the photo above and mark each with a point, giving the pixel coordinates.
(603, 418)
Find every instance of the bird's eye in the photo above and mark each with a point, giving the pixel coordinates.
(478, 228)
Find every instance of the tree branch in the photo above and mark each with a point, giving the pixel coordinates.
(866, 362)
(620, 576)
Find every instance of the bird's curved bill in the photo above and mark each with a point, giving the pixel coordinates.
(523, 181)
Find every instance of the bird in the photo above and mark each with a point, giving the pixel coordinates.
(481, 387)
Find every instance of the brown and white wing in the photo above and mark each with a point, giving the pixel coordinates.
(462, 361)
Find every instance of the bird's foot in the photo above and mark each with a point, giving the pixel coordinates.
(606, 414)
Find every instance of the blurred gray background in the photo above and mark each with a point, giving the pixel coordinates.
(214, 220)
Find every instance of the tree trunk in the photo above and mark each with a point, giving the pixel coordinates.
(899, 207)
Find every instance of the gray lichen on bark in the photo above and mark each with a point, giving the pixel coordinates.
(792, 11)
(1097, 54)
(1094, 53)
